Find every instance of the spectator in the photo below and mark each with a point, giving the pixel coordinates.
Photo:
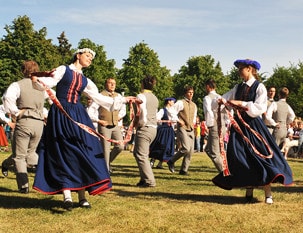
(293, 138)
(197, 130)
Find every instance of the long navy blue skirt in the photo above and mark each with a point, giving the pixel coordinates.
(163, 147)
(69, 157)
(246, 167)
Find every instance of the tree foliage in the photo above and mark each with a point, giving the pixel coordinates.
(195, 73)
(292, 78)
(144, 61)
(64, 48)
(22, 43)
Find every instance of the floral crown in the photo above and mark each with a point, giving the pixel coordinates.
(86, 50)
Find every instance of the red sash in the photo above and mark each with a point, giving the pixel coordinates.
(237, 109)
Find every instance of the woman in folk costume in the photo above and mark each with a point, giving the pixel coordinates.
(71, 159)
(4, 120)
(163, 147)
(253, 157)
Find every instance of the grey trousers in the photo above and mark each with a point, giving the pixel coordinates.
(26, 138)
(113, 133)
(280, 134)
(144, 137)
(187, 144)
(212, 148)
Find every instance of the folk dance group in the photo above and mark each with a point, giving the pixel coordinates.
(70, 159)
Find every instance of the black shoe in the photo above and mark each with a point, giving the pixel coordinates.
(143, 184)
(68, 205)
(183, 173)
(248, 199)
(24, 190)
(4, 170)
(160, 167)
(171, 166)
(84, 204)
(32, 169)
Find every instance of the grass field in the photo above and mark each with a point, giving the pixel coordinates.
(178, 204)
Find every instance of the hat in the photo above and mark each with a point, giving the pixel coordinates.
(247, 62)
(170, 98)
(85, 50)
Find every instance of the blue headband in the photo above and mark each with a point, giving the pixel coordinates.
(247, 62)
(170, 98)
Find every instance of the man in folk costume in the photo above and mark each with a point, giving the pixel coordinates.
(108, 124)
(187, 113)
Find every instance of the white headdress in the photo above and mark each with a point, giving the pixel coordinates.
(86, 50)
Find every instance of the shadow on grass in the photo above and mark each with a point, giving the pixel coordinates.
(219, 199)
(27, 201)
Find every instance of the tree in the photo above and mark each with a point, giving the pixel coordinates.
(292, 78)
(64, 49)
(195, 73)
(144, 61)
(22, 43)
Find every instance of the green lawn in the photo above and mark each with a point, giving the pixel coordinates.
(178, 204)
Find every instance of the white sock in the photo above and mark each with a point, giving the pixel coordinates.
(67, 195)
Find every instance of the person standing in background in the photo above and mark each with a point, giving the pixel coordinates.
(279, 115)
(271, 92)
(197, 129)
(5, 129)
(108, 124)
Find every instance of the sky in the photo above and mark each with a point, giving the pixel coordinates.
(269, 31)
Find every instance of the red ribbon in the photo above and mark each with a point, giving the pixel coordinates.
(85, 127)
(234, 123)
